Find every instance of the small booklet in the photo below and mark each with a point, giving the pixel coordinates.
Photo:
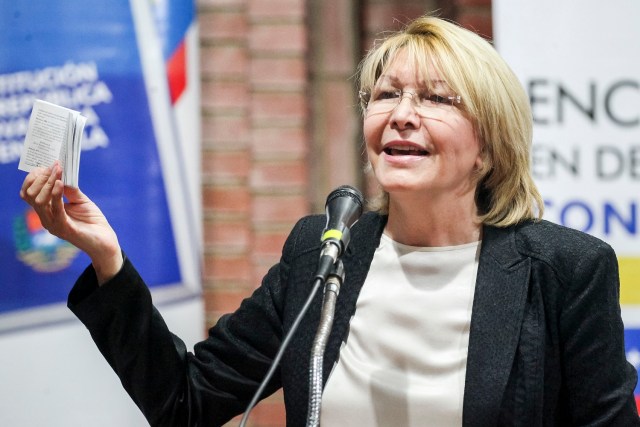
(54, 133)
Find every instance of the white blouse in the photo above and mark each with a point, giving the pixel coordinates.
(405, 359)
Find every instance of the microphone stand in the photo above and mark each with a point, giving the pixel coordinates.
(343, 208)
(331, 291)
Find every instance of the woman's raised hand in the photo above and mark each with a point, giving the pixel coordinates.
(78, 221)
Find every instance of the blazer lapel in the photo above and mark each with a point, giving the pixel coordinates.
(498, 305)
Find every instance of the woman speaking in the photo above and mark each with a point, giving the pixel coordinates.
(461, 307)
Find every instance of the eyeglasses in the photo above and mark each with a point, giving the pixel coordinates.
(424, 102)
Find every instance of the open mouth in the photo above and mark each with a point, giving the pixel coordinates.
(405, 151)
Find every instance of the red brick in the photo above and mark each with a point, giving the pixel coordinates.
(279, 175)
(334, 55)
(224, 95)
(280, 142)
(227, 61)
(463, 3)
(271, 9)
(225, 131)
(269, 243)
(224, 301)
(339, 130)
(282, 38)
(202, 4)
(231, 268)
(391, 16)
(227, 235)
(477, 21)
(289, 73)
(223, 26)
(369, 42)
(227, 200)
(380, 18)
(269, 106)
(224, 166)
(279, 209)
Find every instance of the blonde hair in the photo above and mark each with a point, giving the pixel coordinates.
(492, 97)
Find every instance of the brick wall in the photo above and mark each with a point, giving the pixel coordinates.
(280, 128)
(476, 15)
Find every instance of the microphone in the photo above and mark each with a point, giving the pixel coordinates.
(343, 209)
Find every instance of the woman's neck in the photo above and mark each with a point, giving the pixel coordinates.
(434, 222)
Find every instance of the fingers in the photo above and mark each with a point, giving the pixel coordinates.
(43, 190)
(37, 180)
(57, 204)
(44, 194)
(37, 176)
(74, 195)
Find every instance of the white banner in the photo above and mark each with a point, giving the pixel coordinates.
(579, 62)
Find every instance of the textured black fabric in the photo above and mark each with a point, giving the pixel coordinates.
(546, 339)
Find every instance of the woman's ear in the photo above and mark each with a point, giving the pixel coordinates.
(479, 163)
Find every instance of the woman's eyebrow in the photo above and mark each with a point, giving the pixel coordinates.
(433, 83)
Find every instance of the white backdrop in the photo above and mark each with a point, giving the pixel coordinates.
(580, 65)
(55, 376)
(579, 62)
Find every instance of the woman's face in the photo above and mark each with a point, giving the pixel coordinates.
(429, 147)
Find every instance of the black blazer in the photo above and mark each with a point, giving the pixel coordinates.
(545, 345)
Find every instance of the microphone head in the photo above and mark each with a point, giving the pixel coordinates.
(343, 209)
(348, 192)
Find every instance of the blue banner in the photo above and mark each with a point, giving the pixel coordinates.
(85, 56)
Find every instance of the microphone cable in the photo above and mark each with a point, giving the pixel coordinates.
(317, 283)
(343, 208)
